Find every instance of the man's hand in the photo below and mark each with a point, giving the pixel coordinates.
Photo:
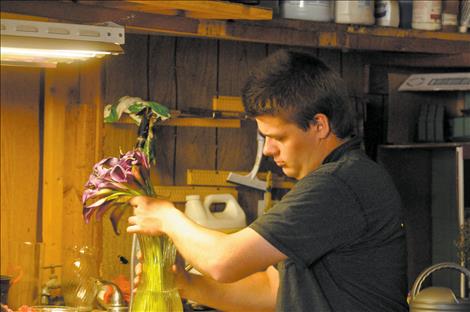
(182, 278)
(150, 215)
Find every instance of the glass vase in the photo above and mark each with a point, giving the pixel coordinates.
(79, 277)
(157, 289)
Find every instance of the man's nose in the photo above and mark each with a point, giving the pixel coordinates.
(268, 148)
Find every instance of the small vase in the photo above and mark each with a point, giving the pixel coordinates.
(157, 290)
(79, 277)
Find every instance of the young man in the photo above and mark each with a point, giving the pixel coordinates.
(335, 242)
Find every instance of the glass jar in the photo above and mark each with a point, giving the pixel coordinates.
(22, 267)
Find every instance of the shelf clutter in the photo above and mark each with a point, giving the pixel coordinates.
(227, 112)
(251, 23)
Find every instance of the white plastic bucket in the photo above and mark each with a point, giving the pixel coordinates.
(355, 12)
(312, 10)
(427, 14)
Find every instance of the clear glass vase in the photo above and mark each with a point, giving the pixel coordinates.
(79, 277)
(157, 289)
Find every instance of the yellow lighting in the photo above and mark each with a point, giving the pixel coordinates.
(46, 47)
(9, 52)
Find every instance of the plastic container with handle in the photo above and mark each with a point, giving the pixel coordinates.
(438, 298)
(230, 219)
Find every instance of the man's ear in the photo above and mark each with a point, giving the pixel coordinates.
(321, 124)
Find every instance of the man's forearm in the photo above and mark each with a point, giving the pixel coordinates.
(256, 292)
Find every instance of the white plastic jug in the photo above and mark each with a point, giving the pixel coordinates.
(359, 12)
(231, 219)
(427, 14)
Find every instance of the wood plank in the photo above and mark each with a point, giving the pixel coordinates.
(196, 64)
(202, 122)
(56, 93)
(132, 6)
(332, 58)
(211, 9)
(406, 33)
(80, 86)
(162, 88)
(352, 71)
(177, 194)
(124, 75)
(227, 103)
(417, 59)
(189, 122)
(237, 148)
(219, 178)
(20, 158)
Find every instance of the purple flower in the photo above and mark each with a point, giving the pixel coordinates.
(113, 182)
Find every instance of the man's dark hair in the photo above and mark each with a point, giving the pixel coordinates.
(298, 86)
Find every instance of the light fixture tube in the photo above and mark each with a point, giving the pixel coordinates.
(29, 43)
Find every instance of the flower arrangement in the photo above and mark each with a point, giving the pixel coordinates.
(114, 181)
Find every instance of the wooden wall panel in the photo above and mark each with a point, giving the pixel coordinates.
(196, 65)
(162, 88)
(20, 156)
(237, 147)
(332, 58)
(352, 71)
(123, 75)
(82, 150)
(61, 86)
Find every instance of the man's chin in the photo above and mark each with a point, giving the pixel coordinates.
(289, 173)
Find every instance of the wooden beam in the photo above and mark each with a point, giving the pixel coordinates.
(211, 9)
(177, 194)
(131, 6)
(219, 178)
(417, 60)
(56, 87)
(227, 103)
(192, 122)
(202, 122)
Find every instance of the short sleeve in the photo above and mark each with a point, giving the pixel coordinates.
(320, 214)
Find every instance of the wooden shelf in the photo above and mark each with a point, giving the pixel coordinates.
(430, 146)
(199, 9)
(219, 178)
(191, 122)
(426, 145)
(178, 194)
(150, 17)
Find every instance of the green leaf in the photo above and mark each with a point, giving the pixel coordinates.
(136, 107)
(110, 114)
(159, 109)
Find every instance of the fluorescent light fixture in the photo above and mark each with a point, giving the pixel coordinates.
(44, 44)
(437, 82)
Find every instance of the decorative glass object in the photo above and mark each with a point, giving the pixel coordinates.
(79, 278)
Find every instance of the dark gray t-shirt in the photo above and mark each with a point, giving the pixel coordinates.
(341, 228)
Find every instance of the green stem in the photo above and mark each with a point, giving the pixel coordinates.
(157, 290)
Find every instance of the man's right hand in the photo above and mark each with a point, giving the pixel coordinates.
(182, 277)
